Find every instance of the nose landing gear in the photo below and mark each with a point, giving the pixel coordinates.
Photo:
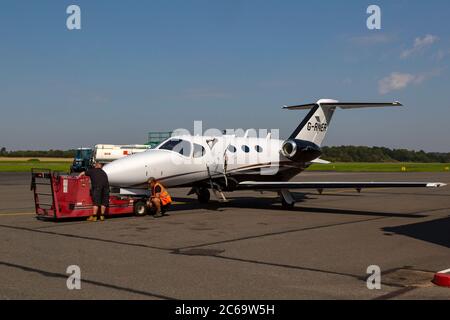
(203, 195)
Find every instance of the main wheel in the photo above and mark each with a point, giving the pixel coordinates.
(140, 208)
(286, 205)
(203, 195)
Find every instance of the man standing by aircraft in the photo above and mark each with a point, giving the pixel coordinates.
(99, 190)
(159, 197)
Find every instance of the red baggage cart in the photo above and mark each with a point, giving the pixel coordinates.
(58, 196)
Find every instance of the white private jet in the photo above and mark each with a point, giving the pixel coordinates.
(232, 163)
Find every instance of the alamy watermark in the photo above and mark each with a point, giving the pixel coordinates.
(73, 282)
(73, 21)
(373, 282)
(374, 20)
(226, 148)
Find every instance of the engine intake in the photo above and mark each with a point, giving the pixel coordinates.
(300, 150)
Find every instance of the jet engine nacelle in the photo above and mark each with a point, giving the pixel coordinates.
(300, 150)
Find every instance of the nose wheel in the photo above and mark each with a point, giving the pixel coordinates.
(203, 195)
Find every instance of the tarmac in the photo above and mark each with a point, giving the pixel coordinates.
(247, 248)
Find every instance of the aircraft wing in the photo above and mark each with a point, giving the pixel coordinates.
(255, 185)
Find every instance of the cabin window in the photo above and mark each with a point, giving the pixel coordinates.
(246, 149)
(183, 147)
(259, 149)
(232, 148)
(199, 151)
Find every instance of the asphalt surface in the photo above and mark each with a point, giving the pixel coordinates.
(248, 248)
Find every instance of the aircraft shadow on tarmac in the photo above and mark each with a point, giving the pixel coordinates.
(274, 204)
(435, 231)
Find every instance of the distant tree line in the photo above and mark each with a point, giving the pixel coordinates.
(381, 154)
(334, 154)
(38, 154)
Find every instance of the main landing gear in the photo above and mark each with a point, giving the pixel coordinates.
(204, 195)
(287, 200)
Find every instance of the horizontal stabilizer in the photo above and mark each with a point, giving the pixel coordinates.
(344, 105)
(320, 161)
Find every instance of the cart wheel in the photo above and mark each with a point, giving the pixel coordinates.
(140, 208)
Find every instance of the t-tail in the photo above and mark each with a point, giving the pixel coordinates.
(304, 143)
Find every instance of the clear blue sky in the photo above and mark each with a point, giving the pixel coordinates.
(139, 66)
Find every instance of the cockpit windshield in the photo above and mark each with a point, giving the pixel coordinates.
(183, 147)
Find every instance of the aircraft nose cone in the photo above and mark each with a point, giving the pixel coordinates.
(129, 171)
(112, 172)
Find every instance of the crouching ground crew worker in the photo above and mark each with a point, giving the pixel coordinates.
(99, 190)
(160, 199)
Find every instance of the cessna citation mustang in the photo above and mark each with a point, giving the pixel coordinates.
(231, 163)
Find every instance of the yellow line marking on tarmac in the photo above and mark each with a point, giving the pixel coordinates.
(178, 202)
